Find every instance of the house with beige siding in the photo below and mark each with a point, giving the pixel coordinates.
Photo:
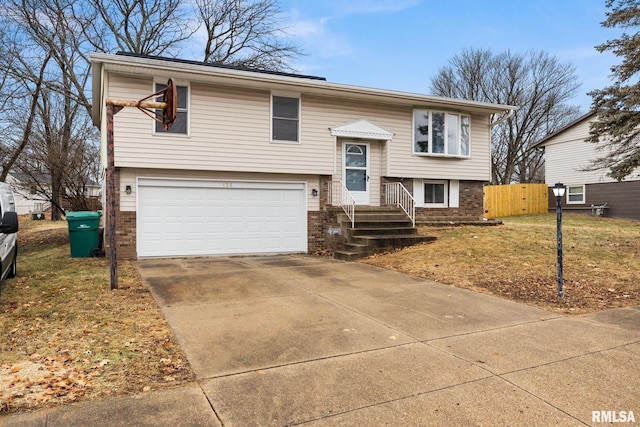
(263, 162)
(567, 154)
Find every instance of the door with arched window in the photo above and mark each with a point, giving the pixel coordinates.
(355, 173)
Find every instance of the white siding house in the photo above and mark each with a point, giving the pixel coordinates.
(27, 199)
(248, 165)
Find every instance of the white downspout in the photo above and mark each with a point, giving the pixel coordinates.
(507, 117)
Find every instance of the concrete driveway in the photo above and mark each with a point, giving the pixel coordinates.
(290, 340)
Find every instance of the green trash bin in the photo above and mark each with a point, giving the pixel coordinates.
(83, 233)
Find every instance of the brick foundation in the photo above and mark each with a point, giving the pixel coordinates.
(471, 204)
(315, 231)
(407, 182)
(333, 236)
(126, 235)
(125, 228)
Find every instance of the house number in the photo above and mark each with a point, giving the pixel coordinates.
(227, 184)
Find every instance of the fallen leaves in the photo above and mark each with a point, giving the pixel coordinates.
(67, 337)
(30, 384)
(517, 260)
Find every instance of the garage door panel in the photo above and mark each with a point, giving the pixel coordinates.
(182, 218)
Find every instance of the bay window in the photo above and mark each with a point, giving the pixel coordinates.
(441, 133)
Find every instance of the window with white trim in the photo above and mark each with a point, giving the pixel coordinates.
(285, 118)
(575, 194)
(441, 133)
(435, 193)
(181, 125)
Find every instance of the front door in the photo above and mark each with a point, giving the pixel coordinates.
(356, 171)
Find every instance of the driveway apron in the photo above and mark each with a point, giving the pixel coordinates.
(303, 340)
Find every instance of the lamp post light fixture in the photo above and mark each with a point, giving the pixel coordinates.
(558, 191)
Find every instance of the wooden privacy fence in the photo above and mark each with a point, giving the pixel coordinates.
(515, 199)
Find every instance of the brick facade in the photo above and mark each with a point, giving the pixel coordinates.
(125, 227)
(324, 231)
(315, 231)
(471, 204)
(471, 195)
(126, 235)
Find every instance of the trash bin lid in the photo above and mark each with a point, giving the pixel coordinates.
(82, 215)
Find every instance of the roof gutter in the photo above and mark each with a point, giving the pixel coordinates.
(507, 117)
(157, 67)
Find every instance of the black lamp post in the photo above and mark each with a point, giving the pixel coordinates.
(558, 191)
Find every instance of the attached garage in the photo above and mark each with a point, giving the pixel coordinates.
(200, 217)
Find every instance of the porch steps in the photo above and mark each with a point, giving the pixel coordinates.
(376, 230)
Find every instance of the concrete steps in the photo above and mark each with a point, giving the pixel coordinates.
(376, 230)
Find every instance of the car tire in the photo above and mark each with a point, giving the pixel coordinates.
(13, 269)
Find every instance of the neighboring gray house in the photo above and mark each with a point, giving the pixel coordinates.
(567, 154)
(256, 160)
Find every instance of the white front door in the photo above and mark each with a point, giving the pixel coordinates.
(355, 173)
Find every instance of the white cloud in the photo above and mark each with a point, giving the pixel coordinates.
(306, 28)
(315, 37)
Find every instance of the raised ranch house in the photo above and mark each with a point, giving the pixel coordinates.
(263, 162)
(590, 192)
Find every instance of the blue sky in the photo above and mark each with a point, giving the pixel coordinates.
(401, 44)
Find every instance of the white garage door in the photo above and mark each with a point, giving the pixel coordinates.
(187, 217)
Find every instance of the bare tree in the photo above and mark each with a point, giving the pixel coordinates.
(149, 27)
(55, 85)
(49, 31)
(618, 106)
(45, 70)
(61, 165)
(15, 146)
(536, 82)
(245, 33)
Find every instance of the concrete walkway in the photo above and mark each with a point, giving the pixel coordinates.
(301, 340)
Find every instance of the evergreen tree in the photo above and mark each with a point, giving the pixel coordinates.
(618, 106)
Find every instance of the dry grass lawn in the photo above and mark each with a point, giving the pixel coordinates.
(67, 337)
(517, 260)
